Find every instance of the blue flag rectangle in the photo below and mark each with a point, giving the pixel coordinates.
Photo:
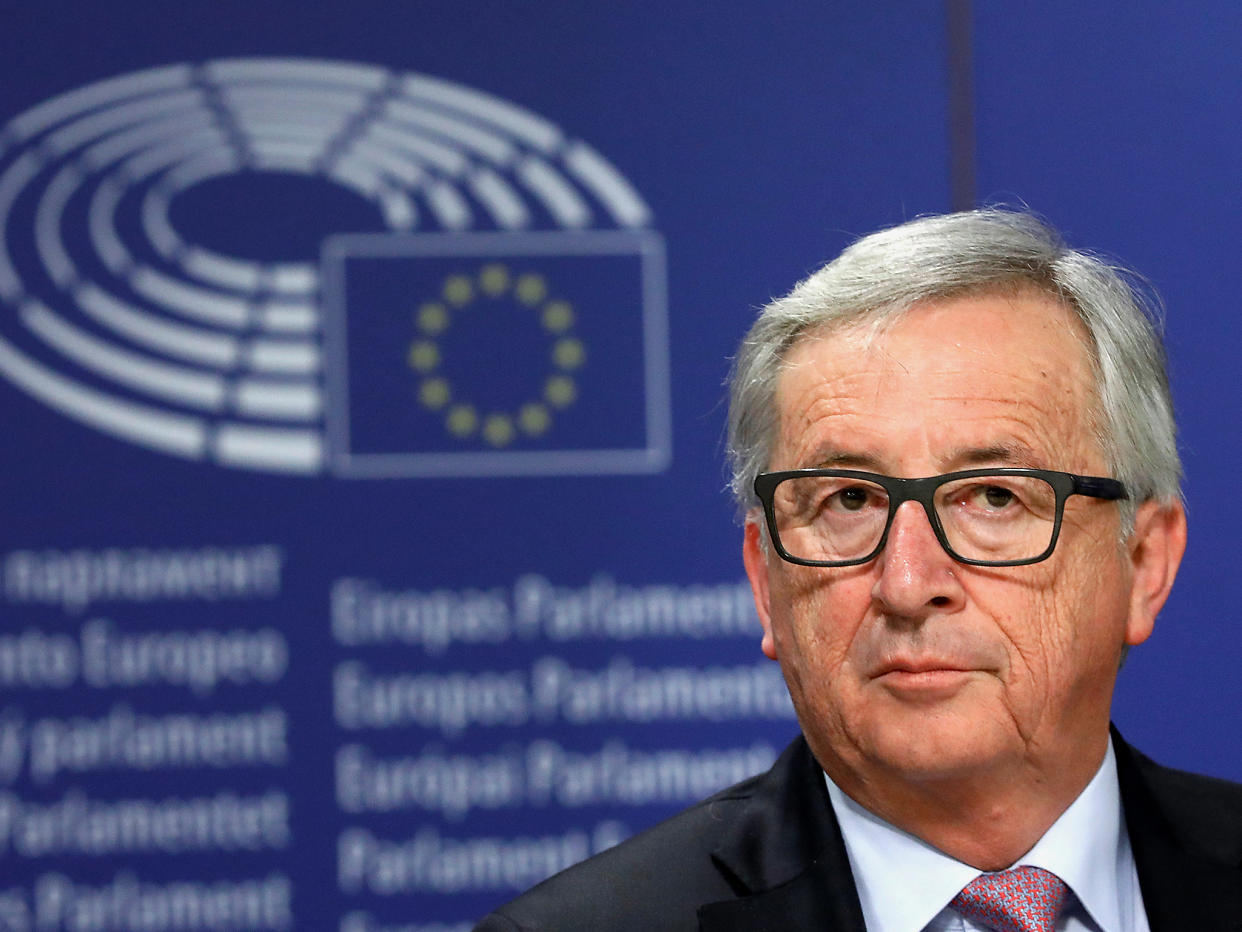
(496, 353)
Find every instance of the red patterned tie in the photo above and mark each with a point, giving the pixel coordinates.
(1025, 899)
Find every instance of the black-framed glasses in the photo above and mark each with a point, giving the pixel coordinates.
(983, 517)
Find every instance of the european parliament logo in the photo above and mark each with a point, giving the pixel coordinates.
(502, 353)
(172, 274)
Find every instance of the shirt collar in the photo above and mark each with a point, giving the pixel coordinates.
(903, 882)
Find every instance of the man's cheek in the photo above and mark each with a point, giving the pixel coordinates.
(817, 618)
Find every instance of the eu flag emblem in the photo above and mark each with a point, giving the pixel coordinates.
(496, 353)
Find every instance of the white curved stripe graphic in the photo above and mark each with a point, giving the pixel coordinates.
(295, 163)
(449, 207)
(155, 224)
(148, 427)
(392, 164)
(185, 342)
(293, 70)
(53, 111)
(161, 380)
(102, 228)
(356, 175)
(268, 448)
(216, 164)
(116, 147)
(145, 114)
(101, 269)
(411, 143)
(287, 316)
(291, 154)
(283, 400)
(198, 303)
(617, 194)
(150, 161)
(531, 129)
(498, 197)
(398, 210)
(294, 278)
(561, 200)
(14, 179)
(495, 148)
(224, 271)
(47, 226)
(278, 125)
(312, 100)
(282, 356)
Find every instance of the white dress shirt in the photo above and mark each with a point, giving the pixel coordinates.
(905, 884)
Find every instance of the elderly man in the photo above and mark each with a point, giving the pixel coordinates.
(954, 447)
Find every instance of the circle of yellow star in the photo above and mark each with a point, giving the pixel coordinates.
(461, 420)
(434, 393)
(498, 430)
(560, 391)
(495, 281)
(432, 318)
(458, 290)
(424, 356)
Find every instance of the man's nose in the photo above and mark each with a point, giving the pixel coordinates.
(917, 577)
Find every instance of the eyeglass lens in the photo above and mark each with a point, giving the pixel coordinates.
(1001, 518)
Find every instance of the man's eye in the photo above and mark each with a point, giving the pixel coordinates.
(852, 499)
(995, 496)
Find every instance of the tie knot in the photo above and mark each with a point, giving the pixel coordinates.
(1025, 899)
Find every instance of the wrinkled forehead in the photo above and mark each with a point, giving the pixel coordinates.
(1008, 306)
(1006, 301)
(1015, 356)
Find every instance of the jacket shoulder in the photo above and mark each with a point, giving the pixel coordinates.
(654, 880)
(1203, 813)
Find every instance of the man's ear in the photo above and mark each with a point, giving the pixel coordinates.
(756, 560)
(1155, 548)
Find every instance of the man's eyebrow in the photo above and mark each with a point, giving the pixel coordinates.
(843, 459)
(998, 454)
(1003, 454)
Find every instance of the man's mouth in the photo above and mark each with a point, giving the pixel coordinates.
(923, 665)
(924, 679)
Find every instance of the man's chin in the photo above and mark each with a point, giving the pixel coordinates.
(927, 741)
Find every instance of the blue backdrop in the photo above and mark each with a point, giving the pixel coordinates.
(366, 553)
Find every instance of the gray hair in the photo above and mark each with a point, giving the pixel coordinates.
(881, 276)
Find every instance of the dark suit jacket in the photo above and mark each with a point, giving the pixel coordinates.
(767, 854)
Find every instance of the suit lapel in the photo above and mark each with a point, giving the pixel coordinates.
(821, 898)
(1181, 892)
(1186, 850)
(786, 858)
